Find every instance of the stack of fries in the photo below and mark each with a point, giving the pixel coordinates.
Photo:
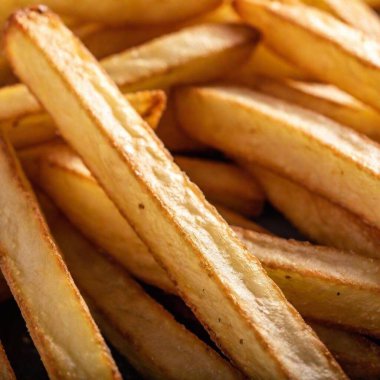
(138, 145)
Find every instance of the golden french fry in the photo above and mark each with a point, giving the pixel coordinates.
(324, 284)
(325, 99)
(225, 184)
(320, 44)
(353, 12)
(142, 330)
(116, 12)
(358, 356)
(6, 371)
(289, 140)
(39, 282)
(65, 178)
(318, 218)
(229, 291)
(39, 127)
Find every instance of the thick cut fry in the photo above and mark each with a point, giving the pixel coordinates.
(336, 287)
(290, 140)
(194, 54)
(39, 127)
(143, 331)
(319, 44)
(57, 318)
(6, 371)
(263, 61)
(61, 173)
(207, 52)
(324, 99)
(138, 12)
(318, 218)
(358, 356)
(230, 293)
(225, 184)
(353, 12)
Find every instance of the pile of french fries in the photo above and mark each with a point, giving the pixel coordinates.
(139, 144)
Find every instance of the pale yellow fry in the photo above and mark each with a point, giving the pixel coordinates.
(325, 99)
(140, 12)
(143, 331)
(325, 284)
(56, 316)
(320, 44)
(318, 218)
(358, 356)
(325, 157)
(230, 293)
(65, 178)
(353, 12)
(207, 51)
(224, 183)
(6, 371)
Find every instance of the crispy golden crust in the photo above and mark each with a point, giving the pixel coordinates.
(27, 253)
(6, 371)
(341, 54)
(223, 290)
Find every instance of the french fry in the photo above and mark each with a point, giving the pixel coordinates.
(318, 218)
(6, 371)
(325, 99)
(225, 184)
(193, 54)
(289, 140)
(373, 3)
(141, 329)
(358, 356)
(231, 295)
(320, 44)
(207, 51)
(116, 12)
(61, 173)
(39, 127)
(354, 12)
(324, 284)
(57, 318)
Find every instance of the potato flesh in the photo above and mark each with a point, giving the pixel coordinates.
(198, 249)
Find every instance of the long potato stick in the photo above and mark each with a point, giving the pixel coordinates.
(289, 140)
(354, 12)
(66, 179)
(39, 127)
(225, 184)
(320, 44)
(207, 51)
(322, 283)
(325, 99)
(56, 316)
(230, 293)
(116, 12)
(143, 331)
(318, 218)
(6, 371)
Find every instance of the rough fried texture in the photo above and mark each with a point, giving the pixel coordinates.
(57, 318)
(319, 44)
(229, 291)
